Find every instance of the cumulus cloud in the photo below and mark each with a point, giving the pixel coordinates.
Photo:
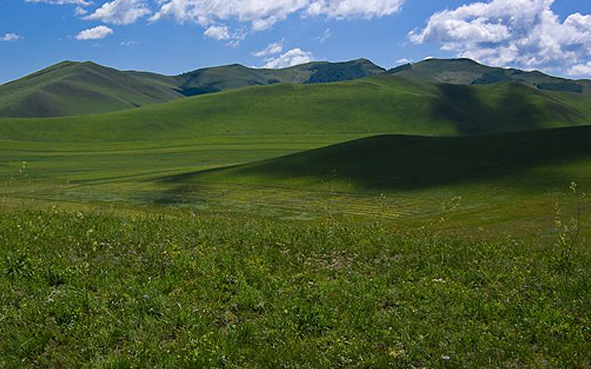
(218, 32)
(292, 57)
(222, 32)
(521, 33)
(120, 12)
(354, 8)
(96, 33)
(271, 49)
(262, 15)
(62, 2)
(11, 37)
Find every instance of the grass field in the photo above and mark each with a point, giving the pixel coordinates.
(380, 222)
(503, 184)
(129, 157)
(112, 291)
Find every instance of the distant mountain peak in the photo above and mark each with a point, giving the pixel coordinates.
(464, 71)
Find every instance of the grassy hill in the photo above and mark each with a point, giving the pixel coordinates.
(517, 183)
(234, 76)
(469, 72)
(381, 104)
(117, 157)
(408, 163)
(72, 88)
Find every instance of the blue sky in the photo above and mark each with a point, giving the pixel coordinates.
(174, 36)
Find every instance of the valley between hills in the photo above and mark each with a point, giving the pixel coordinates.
(287, 142)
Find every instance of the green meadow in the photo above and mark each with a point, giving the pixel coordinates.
(388, 221)
(168, 155)
(131, 291)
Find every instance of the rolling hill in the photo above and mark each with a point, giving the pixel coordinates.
(73, 88)
(409, 163)
(469, 72)
(380, 104)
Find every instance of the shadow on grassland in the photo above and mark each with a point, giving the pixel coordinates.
(513, 111)
(407, 163)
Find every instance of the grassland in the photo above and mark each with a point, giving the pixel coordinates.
(368, 106)
(145, 157)
(380, 222)
(108, 291)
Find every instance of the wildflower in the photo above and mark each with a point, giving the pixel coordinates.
(573, 187)
(397, 352)
(445, 357)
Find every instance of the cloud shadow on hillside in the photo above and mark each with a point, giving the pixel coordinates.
(461, 106)
(407, 163)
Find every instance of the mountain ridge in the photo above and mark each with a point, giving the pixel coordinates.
(463, 71)
(60, 89)
(81, 88)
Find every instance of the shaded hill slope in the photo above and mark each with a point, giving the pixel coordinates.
(381, 104)
(469, 72)
(403, 163)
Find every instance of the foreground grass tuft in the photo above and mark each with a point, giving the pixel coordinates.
(103, 291)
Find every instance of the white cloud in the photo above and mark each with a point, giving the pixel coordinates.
(262, 14)
(218, 32)
(62, 2)
(11, 37)
(120, 12)
(96, 33)
(354, 8)
(324, 36)
(79, 11)
(521, 33)
(580, 70)
(403, 61)
(292, 57)
(233, 44)
(271, 49)
(221, 32)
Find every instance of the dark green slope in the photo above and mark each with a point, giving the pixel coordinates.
(402, 163)
(469, 72)
(72, 88)
(233, 76)
(380, 104)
